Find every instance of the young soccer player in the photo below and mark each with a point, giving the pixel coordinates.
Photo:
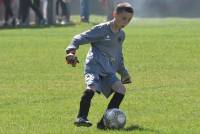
(103, 61)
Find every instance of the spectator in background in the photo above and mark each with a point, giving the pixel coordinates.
(68, 8)
(25, 5)
(44, 9)
(1, 13)
(9, 16)
(19, 17)
(84, 9)
(65, 15)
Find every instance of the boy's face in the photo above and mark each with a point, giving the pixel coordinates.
(122, 19)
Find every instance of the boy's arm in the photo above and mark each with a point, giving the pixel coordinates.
(125, 77)
(84, 38)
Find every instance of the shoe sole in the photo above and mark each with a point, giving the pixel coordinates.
(82, 124)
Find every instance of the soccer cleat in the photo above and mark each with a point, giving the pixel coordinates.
(100, 125)
(82, 122)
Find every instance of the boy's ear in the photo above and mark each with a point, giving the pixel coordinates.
(114, 14)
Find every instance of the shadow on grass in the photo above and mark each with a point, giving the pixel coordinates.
(135, 127)
(139, 128)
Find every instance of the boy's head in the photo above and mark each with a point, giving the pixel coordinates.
(123, 14)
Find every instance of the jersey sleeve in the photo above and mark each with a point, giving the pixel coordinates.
(122, 69)
(95, 34)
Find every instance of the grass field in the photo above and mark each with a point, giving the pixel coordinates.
(39, 94)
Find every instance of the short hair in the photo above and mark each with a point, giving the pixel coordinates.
(124, 7)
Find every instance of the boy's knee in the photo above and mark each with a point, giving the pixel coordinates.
(119, 87)
(88, 94)
(91, 88)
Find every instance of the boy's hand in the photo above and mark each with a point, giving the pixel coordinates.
(126, 79)
(71, 59)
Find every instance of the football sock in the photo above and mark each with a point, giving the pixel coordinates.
(116, 100)
(85, 103)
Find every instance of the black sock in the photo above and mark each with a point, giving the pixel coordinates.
(114, 102)
(85, 103)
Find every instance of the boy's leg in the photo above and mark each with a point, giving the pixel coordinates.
(84, 109)
(116, 100)
(90, 80)
(118, 96)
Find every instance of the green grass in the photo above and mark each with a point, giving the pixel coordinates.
(39, 94)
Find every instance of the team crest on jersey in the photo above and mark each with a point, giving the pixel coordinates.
(107, 37)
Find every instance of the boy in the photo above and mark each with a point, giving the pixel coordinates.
(110, 6)
(8, 13)
(103, 61)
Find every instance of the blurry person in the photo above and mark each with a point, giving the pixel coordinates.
(25, 5)
(44, 9)
(110, 7)
(85, 11)
(1, 12)
(64, 18)
(8, 13)
(68, 9)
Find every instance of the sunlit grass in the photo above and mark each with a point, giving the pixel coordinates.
(39, 94)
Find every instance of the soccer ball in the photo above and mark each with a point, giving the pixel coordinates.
(114, 119)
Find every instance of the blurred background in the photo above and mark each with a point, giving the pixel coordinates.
(53, 11)
(152, 8)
